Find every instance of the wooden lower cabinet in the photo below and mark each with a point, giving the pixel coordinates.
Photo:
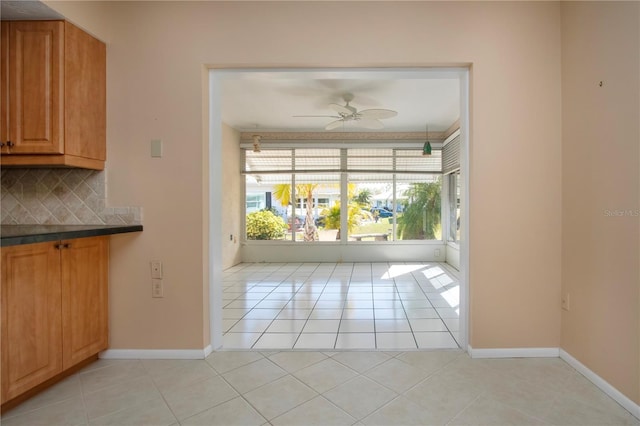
(31, 317)
(85, 328)
(54, 302)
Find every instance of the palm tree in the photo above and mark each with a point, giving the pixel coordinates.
(421, 212)
(363, 197)
(332, 217)
(282, 193)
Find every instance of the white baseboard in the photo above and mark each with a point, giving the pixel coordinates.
(514, 353)
(614, 393)
(156, 353)
(208, 350)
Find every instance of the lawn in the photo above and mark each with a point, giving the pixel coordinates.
(383, 226)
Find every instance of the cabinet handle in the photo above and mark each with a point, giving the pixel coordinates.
(1, 144)
(66, 245)
(61, 246)
(58, 246)
(10, 144)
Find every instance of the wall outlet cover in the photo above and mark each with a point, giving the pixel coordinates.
(156, 288)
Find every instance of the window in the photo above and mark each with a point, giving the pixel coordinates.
(395, 207)
(451, 169)
(454, 206)
(393, 194)
(317, 221)
(255, 201)
(370, 212)
(265, 218)
(420, 201)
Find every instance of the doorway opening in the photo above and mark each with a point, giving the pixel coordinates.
(245, 103)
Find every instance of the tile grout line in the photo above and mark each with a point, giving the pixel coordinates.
(271, 292)
(261, 300)
(373, 305)
(314, 305)
(436, 311)
(146, 374)
(296, 406)
(308, 295)
(84, 402)
(242, 395)
(239, 394)
(31, 410)
(344, 302)
(463, 409)
(190, 384)
(404, 309)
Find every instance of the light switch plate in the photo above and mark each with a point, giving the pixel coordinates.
(156, 269)
(156, 148)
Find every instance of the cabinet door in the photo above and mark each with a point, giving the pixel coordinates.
(85, 99)
(85, 329)
(4, 84)
(31, 317)
(36, 87)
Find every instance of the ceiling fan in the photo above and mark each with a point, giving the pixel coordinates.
(367, 118)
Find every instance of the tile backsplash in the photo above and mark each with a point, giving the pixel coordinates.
(60, 196)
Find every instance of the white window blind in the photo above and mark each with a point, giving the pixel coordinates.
(451, 156)
(336, 160)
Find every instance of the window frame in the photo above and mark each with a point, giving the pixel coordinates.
(344, 171)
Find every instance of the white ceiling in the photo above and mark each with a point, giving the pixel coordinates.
(268, 100)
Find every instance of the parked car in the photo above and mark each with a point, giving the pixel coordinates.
(398, 208)
(381, 212)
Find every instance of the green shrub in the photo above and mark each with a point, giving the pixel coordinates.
(264, 225)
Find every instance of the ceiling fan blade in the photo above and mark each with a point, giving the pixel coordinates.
(369, 123)
(334, 124)
(325, 116)
(378, 114)
(340, 109)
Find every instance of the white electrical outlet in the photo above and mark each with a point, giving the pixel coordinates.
(436, 252)
(156, 288)
(156, 269)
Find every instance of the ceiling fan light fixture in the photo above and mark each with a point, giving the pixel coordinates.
(256, 143)
(426, 148)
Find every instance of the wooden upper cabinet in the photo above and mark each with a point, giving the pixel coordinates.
(36, 104)
(4, 83)
(31, 317)
(85, 118)
(56, 98)
(85, 328)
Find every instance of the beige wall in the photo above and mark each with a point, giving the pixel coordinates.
(155, 54)
(231, 197)
(600, 162)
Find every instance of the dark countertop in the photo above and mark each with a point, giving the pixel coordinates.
(14, 235)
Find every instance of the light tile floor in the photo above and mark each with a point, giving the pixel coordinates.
(340, 306)
(440, 387)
